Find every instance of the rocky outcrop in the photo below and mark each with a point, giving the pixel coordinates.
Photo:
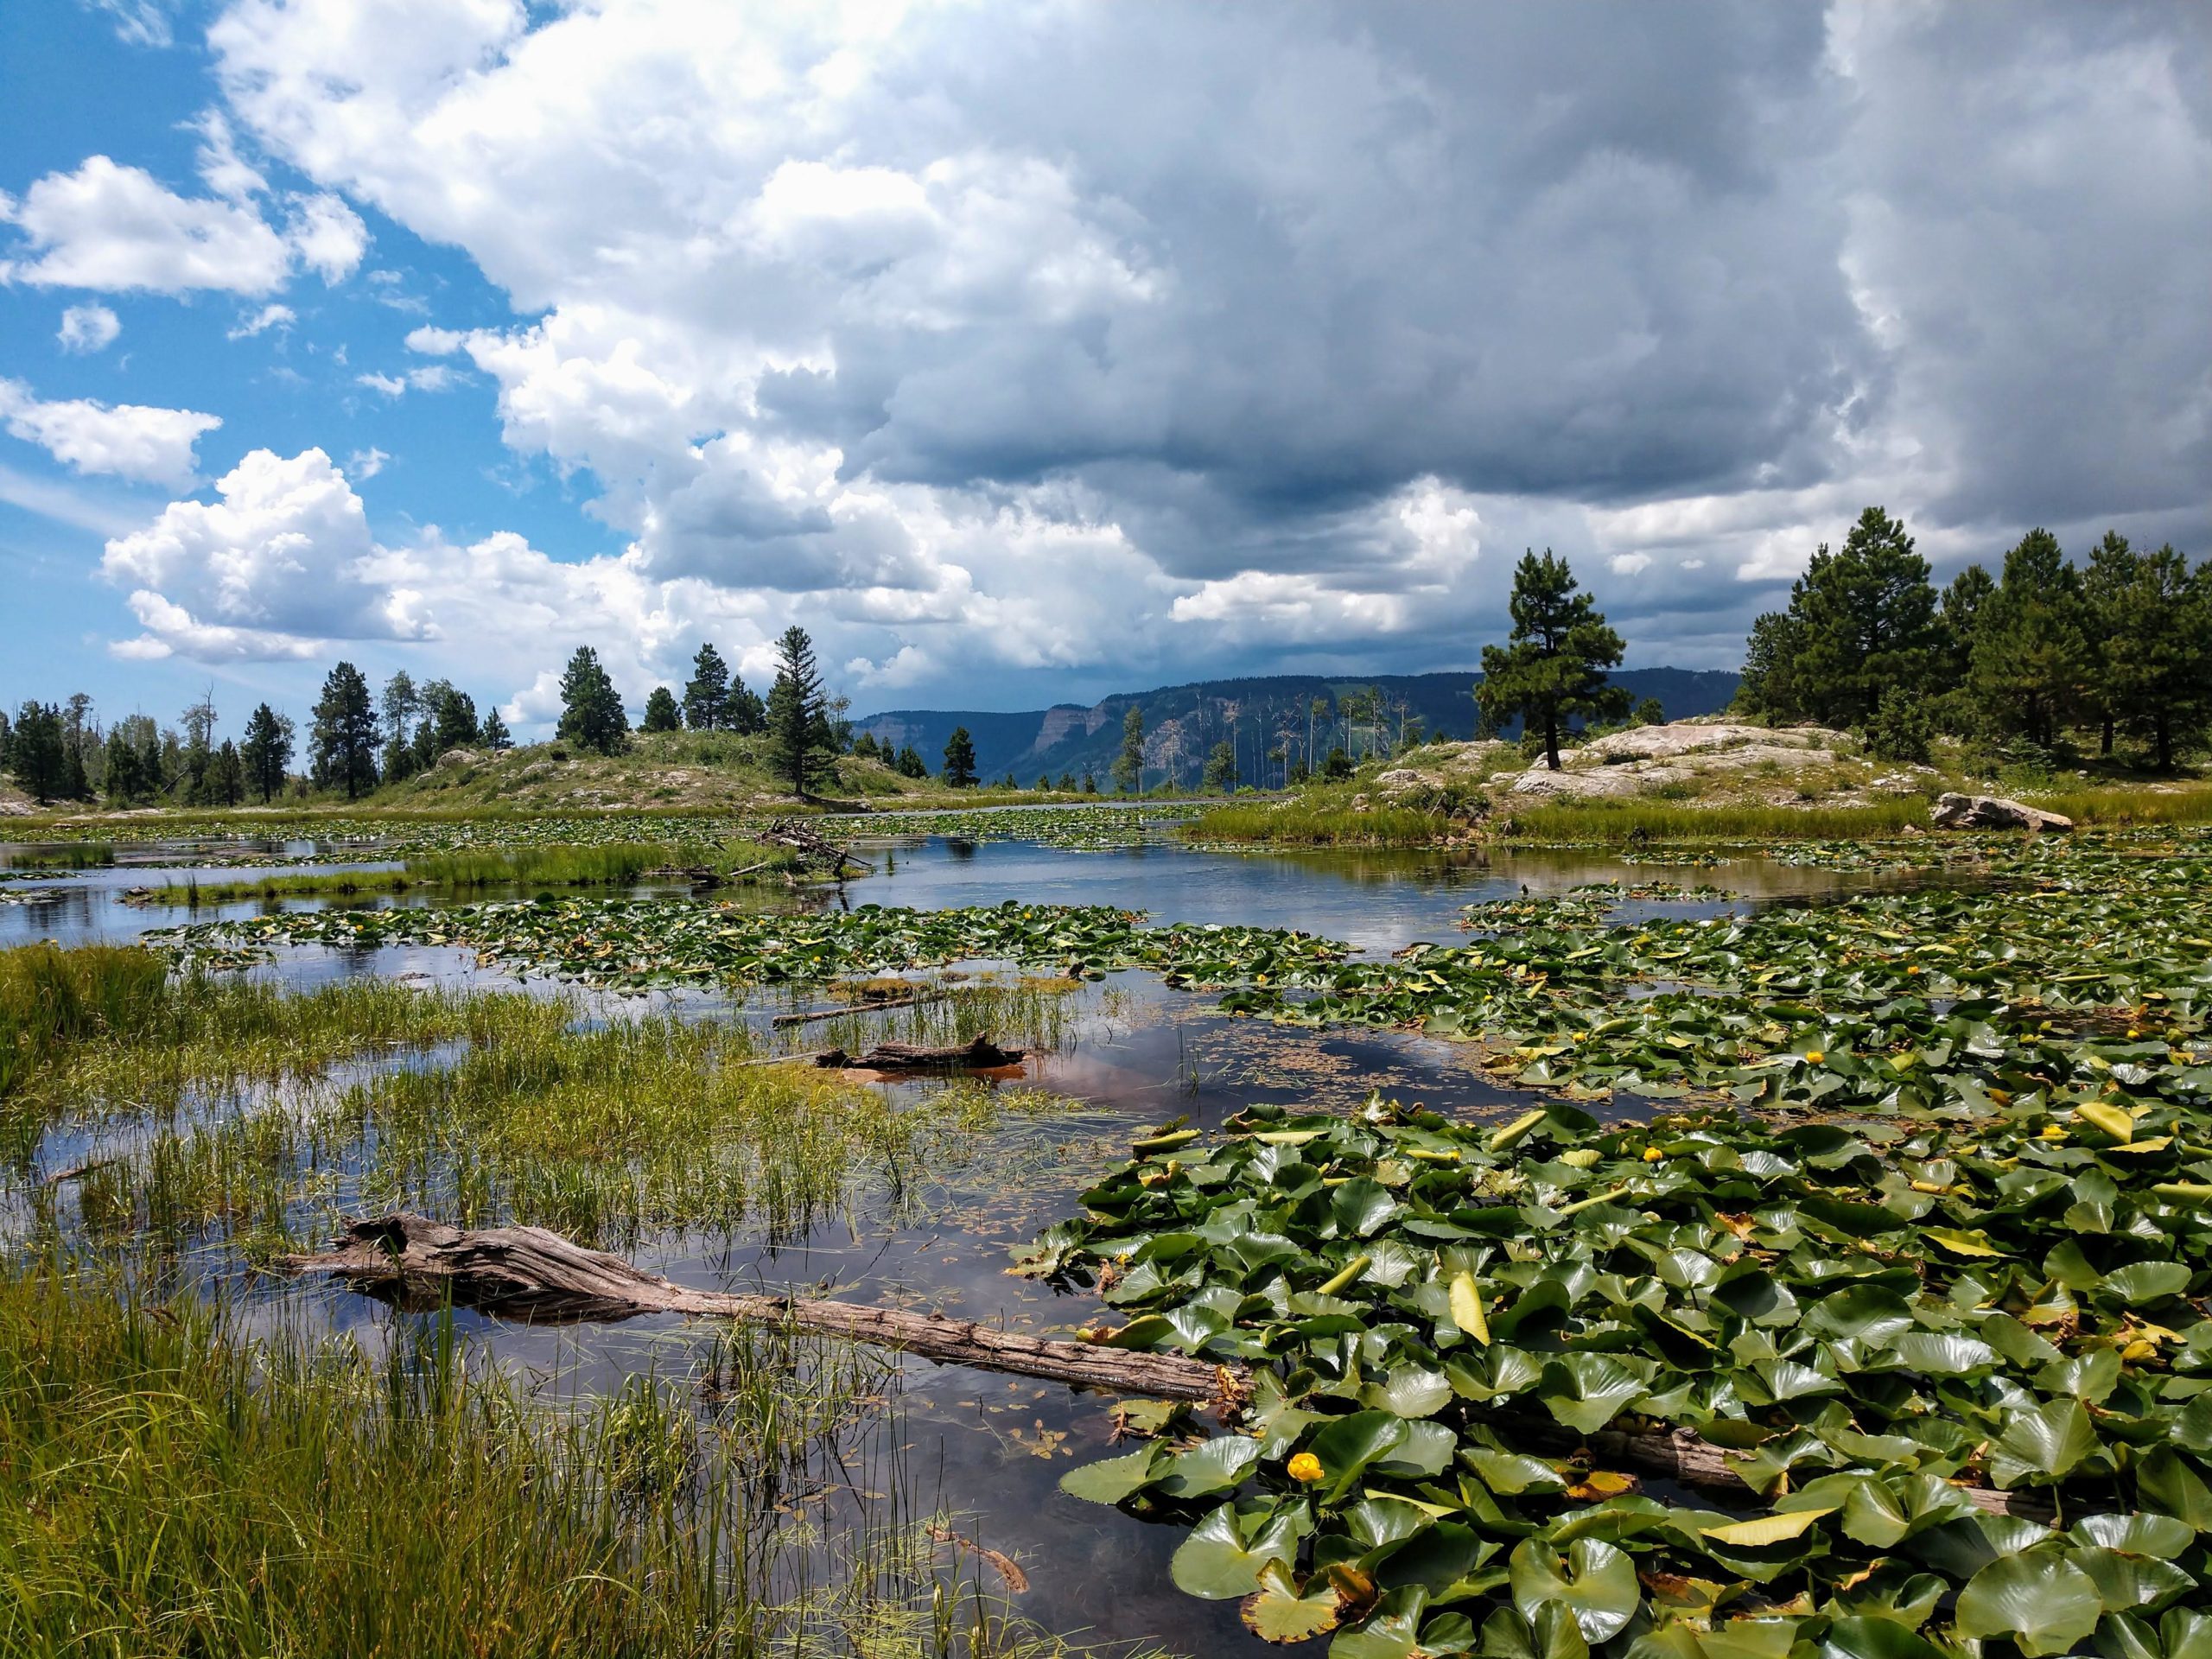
(1648, 758)
(1956, 812)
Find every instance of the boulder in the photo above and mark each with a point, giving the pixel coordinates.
(1955, 812)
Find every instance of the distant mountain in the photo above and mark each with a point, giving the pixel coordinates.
(1260, 717)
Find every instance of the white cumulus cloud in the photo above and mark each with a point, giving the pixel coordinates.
(88, 328)
(134, 441)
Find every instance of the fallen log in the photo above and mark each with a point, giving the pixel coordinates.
(979, 1055)
(530, 1274)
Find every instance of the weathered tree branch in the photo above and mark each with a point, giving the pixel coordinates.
(529, 1273)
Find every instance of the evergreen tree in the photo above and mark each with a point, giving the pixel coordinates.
(1090, 781)
(910, 764)
(2105, 585)
(706, 694)
(495, 735)
(120, 784)
(661, 711)
(799, 714)
(1858, 622)
(1221, 768)
(268, 751)
(1066, 783)
(401, 703)
(226, 776)
(592, 715)
(455, 715)
(1338, 765)
(1553, 667)
(748, 714)
(1650, 713)
(343, 740)
(959, 759)
(1128, 765)
(423, 751)
(1899, 729)
(2031, 661)
(2159, 655)
(864, 748)
(199, 751)
(1965, 605)
(35, 751)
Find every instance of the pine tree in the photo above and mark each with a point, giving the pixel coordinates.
(747, 714)
(592, 715)
(1221, 768)
(798, 715)
(120, 784)
(959, 759)
(661, 711)
(706, 694)
(495, 736)
(268, 751)
(1553, 667)
(1858, 622)
(226, 776)
(455, 715)
(910, 764)
(1649, 712)
(1090, 781)
(343, 738)
(2105, 585)
(1128, 765)
(2030, 662)
(35, 751)
(2160, 655)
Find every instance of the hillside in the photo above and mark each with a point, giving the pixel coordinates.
(1257, 715)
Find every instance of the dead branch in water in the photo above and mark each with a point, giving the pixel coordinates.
(529, 1273)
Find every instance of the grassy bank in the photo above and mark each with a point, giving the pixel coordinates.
(1306, 824)
(1623, 821)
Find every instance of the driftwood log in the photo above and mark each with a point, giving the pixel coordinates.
(796, 834)
(979, 1055)
(529, 1273)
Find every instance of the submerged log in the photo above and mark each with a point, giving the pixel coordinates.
(530, 1274)
(864, 1006)
(981, 1055)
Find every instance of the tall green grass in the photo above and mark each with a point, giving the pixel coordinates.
(51, 1000)
(554, 864)
(1297, 824)
(1623, 821)
(61, 856)
(2119, 806)
(169, 1487)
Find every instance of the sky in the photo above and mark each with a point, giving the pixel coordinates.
(1026, 352)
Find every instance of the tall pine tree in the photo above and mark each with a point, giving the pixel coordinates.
(592, 716)
(268, 751)
(2031, 663)
(343, 740)
(1552, 669)
(798, 715)
(706, 696)
(959, 759)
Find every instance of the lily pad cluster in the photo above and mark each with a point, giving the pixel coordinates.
(1458, 1337)
(626, 942)
(1938, 1000)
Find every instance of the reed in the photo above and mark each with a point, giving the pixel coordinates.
(1299, 823)
(2120, 806)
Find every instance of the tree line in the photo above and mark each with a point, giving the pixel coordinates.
(60, 752)
(2042, 658)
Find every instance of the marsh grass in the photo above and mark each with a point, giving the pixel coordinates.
(1622, 820)
(1027, 1012)
(613, 864)
(173, 1488)
(1301, 823)
(2119, 806)
(60, 855)
(183, 1476)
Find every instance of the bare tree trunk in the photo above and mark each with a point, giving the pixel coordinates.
(530, 1274)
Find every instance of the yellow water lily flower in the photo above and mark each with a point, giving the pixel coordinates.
(1652, 1154)
(1306, 1466)
(1813, 1057)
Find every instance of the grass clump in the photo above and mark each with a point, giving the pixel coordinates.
(1302, 823)
(52, 1000)
(169, 1487)
(1623, 821)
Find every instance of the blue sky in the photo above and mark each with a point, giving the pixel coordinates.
(1028, 353)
